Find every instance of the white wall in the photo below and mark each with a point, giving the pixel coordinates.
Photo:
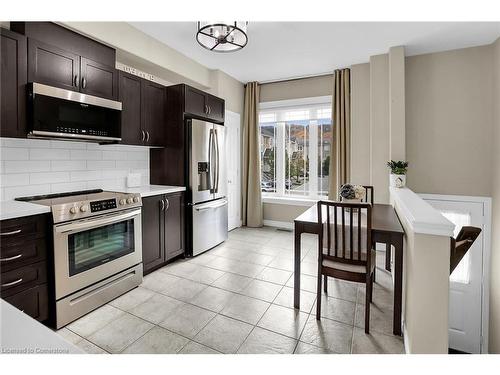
(33, 167)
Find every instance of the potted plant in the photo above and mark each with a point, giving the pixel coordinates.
(352, 193)
(397, 177)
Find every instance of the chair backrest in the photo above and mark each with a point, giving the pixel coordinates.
(346, 232)
(369, 194)
(461, 245)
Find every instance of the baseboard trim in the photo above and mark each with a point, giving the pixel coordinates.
(278, 224)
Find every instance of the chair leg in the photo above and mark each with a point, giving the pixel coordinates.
(318, 298)
(371, 286)
(367, 304)
(325, 286)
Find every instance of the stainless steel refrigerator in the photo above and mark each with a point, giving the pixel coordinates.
(207, 185)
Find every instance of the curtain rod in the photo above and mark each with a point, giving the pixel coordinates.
(294, 79)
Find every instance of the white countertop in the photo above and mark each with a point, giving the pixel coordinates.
(13, 209)
(21, 334)
(151, 190)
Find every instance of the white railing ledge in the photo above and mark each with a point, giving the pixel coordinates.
(420, 215)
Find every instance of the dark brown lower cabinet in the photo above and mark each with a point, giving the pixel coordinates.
(24, 273)
(162, 229)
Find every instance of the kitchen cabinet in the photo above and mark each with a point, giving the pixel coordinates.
(203, 105)
(53, 66)
(98, 79)
(144, 111)
(24, 273)
(153, 109)
(163, 229)
(153, 250)
(13, 59)
(56, 67)
(129, 93)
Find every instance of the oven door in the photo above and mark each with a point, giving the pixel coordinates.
(88, 251)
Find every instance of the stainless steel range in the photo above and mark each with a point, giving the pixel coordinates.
(97, 248)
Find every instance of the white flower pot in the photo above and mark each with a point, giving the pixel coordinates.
(397, 180)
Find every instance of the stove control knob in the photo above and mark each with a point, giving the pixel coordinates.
(84, 208)
(72, 210)
(136, 199)
(122, 202)
(129, 200)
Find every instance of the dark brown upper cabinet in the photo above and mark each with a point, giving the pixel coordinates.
(162, 229)
(129, 93)
(98, 79)
(203, 105)
(143, 111)
(53, 66)
(56, 67)
(13, 78)
(153, 113)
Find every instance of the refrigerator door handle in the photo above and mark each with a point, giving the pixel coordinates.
(210, 164)
(218, 161)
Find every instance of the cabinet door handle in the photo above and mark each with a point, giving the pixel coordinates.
(11, 258)
(84, 83)
(209, 110)
(13, 282)
(143, 135)
(75, 81)
(168, 204)
(147, 136)
(162, 205)
(11, 233)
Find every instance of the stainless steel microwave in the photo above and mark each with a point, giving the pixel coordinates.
(63, 114)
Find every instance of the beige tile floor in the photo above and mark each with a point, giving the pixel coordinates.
(238, 298)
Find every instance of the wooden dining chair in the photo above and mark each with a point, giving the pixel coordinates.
(369, 194)
(345, 247)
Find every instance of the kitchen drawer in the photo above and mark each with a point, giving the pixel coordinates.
(18, 230)
(23, 253)
(20, 279)
(33, 301)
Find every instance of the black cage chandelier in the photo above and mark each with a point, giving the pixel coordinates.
(222, 36)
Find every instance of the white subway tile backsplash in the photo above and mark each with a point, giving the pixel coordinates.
(68, 145)
(86, 175)
(14, 179)
(12, 153)
(25, 143)
(101, 164)
(68, 165)
(25, 191)
(49, 154)
(49, 177)
(86, 155)
(68, 186)
(33, 166)
(18, 166)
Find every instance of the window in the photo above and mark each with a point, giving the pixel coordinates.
(295, 147)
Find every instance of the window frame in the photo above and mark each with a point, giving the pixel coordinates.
(280, 107)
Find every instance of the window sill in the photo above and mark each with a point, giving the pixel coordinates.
(293, 201)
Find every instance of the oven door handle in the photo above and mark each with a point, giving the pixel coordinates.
(92, 223)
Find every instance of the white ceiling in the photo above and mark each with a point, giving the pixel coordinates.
(281, 50)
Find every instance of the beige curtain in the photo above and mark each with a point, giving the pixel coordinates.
(252, 200)
(341, 116)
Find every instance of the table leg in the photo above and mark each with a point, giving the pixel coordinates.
(398, 282)
(296, 274)
(388, 256)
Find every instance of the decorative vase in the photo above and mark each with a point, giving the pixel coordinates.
(397, 180)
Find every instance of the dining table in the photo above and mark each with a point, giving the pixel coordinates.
(386, 229)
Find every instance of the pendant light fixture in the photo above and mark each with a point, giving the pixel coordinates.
(222, 36)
